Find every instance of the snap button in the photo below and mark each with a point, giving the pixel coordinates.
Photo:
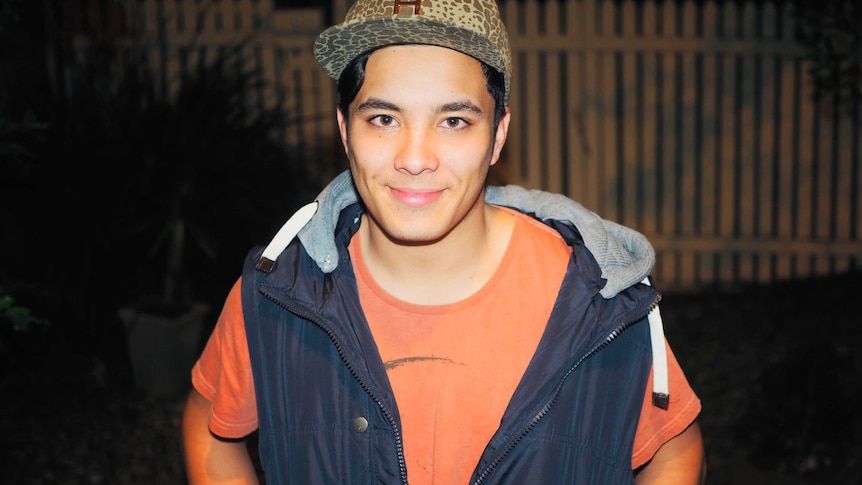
(360, 424)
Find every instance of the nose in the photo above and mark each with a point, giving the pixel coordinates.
(416, 152)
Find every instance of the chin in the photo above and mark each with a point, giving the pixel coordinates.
(414, 234)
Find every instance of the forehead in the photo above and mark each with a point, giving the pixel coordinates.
(411, 74)
(416, 60)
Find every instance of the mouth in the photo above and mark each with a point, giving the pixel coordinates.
(416, 197)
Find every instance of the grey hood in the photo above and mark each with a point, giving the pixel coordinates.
(625, 256)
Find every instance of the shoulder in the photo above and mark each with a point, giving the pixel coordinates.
(535, 231)
(536, 252)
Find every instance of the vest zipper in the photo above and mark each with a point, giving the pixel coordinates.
(547, 408)
(399, 445)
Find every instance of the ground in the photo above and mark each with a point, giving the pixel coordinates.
(777, 368)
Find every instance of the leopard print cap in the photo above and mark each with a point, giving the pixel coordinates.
(473, 27)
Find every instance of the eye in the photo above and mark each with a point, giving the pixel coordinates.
(382, 120)
(455, 123)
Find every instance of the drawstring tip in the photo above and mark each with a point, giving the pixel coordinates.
(660, 400)
(265, 264)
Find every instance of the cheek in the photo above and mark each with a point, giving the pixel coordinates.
(467, 158)
(365, 172)
(368, 152)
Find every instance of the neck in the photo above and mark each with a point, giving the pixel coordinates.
(445, 270)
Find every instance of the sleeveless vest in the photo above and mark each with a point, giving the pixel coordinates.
(328, 415)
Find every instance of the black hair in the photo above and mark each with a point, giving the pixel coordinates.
(352, 77)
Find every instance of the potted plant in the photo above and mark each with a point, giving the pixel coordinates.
(200, 154)
(133, 190)
(192, 161)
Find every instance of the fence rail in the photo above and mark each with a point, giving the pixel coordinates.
(693, 122)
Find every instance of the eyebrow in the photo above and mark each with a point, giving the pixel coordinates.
(458, 106)
(375, 103)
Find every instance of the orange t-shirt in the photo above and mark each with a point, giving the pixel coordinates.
(434, 357)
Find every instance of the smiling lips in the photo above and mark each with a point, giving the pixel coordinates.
(416, 198)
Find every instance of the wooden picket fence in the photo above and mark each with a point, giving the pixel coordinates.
(693, 122)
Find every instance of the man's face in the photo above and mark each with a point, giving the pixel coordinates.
(420, 141)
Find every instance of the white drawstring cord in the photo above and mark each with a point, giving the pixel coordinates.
(660, 388)
(282, 238)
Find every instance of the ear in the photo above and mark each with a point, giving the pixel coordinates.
(500, 135)
(342, 129)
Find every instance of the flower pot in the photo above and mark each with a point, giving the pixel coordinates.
(163, 348)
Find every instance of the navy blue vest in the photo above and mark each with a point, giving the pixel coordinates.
(328, 415)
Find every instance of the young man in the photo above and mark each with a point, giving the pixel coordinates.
(423, 327)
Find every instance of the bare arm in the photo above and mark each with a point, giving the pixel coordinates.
(679, 461)
(211, 460)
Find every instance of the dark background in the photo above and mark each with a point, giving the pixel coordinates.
(97, 172)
